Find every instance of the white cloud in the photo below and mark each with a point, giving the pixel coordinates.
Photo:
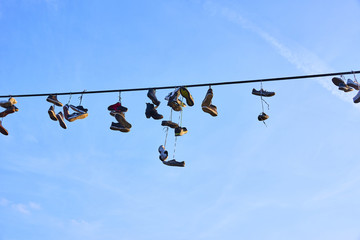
(4, 202)
(21, 208)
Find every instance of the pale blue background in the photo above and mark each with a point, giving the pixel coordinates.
(298, 178)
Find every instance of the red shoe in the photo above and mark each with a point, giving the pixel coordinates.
(117, 107)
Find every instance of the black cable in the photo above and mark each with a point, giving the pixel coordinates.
(188, 86)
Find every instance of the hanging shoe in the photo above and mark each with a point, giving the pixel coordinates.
(173, 100)
(179, 131)
(79, 109)
(151, 94)
(163, 153)
(119, 127)
(9, 110)
(353, 84)
(344, 87)
(73, 116)
(337, 81)
(152, 112)
(53, 99)
(3, 130)
(169, 124)
(5, 104)
(174, 163)
(52, 114)
(186, 94)
(263, 116)
(117, 107)
(120, 117)
(262, 92)
(60, 117)
(212, 110)
(356, 99)
(206, 104)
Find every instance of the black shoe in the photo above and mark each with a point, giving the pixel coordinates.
(3, 130)
(120, 117)
(152, 112)
(119, 127)
(163, 153)
(53, 99)
(186, 94)
(52, 114)
(151, 94)
(169, 124)
(179, 131)
(79, 109)
(174, 163)
(263, 116)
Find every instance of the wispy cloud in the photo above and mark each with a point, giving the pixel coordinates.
(20, 207)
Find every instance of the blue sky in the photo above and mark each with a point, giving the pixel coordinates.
(295, 179)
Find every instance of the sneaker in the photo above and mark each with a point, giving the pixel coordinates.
(174, 163)
(263, 116)
(52, 114)
(173, 100)
(169, 124)
(179, 131)
(356, 99)
(79, 109)
(344, 87)
(337, 81)
(74, 116)
(120, 117)
(208, 97)
(3, 130)
(53, 99)
(186, 94)
(262, 92)
(9, 110)
(5, 104)
(117, 107)
(60, 117)
(152, 112)
(353, 84)
(151, 94)
(163, 153)
(211, 109)
(119, 127)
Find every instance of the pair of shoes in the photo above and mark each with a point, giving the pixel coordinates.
(263, 116)
(342, 85)
(9, 110)
(53, 99)
(3, 130)
(152, 112)
(10, 102)
(169, 124)
(118, 111)
(175, 103)
(179, 131)
(56, 117)
(206, 104)
(262, 92)
(78, 114)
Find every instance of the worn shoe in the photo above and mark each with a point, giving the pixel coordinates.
(262, 92)
(208, 98)
(263, 116)
(3, 130)
(337, 81)
(186, 94)
(53, 99)
(9, 110)
(79, 109)
(152, 112)
(212, 110)
(120, 117)
(179, 131)
(174, 163)
(163, 153)
(73, 116)
(151, 94)
(60, 117)
(52, 114)
(344, 87)
(173, 100)
(117, 107)
(119, 127)
(169, 124)
(353, 84)
(5, 104)
(356, 99)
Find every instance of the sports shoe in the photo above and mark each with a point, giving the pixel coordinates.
(262, 92)
(174, 163)
(3, 130)
(169, 124)
(212, 110)
(79, 109)
(9, 110)
(52, 114)
(163, 153)
(151, 94)
(5, 104)
(117, 107)
(60, 117)
(74, 116)
(344, 87)
(119, 127)
(186, 94)
(356, 99)
(120, 117)
(152, 112)
(353, 84)
(173, 100)
(263, 116)
(206, 104)
(53, 99)
(179, 131)
(337, 81)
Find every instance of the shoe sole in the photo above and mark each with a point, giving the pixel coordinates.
(120, 129)
(4, 131)
(61, 122)
(52, 116)
(121, 119)
(174, 164)
(186, 94)
(171, 124)
(210, 111)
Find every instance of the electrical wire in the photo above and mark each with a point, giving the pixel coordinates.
(188, 86)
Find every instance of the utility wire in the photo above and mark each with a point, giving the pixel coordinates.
(188, 86)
